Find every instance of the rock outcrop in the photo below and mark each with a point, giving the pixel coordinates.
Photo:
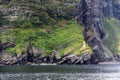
(6, 45)
(107, 8)
(116, 8)
(32, 57)
(91, 19)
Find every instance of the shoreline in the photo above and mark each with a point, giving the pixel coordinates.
(111, 62)
(55, 64)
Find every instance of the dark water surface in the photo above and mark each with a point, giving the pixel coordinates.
(81, 72)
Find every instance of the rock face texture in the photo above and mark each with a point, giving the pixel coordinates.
(116, 7)
(31, 56)
(92, 20)
(91, 17)
(107, 8)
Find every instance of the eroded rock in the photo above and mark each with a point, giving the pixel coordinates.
(91, 19)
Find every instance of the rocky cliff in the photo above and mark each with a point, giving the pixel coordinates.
(99, 19)
(116, 8)
(92, 14)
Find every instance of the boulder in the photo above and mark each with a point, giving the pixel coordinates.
(86, 58)
(79, 61)
(6, 45)
(64, 58)
(37, 58)
(22, 58)
(30, 54)
(52, 57)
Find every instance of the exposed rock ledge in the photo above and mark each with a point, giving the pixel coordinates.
(32, 56)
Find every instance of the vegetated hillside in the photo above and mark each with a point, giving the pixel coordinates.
(25, 13)
(49, 25)
(64, 38)
(112, 28)
(45, 24)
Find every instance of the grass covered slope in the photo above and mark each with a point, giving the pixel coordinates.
(64, 38)
(112, 28)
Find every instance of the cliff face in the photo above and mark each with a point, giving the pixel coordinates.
(92, 14)
(92, 20)
(116, 8)
(12, 11)
(107, 6)
(91, 17)
(111, 8)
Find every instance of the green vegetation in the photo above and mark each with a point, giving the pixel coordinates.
(112, 27)
(45, 24)
(39, 12)
(63, 38)
(1, 19)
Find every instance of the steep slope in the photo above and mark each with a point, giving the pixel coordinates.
(112, 29)
(92, 20)
(50, 25)
(46, 25)
(116, 8)
(65, 39)
(96, 29)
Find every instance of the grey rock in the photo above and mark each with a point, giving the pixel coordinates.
(91, 18)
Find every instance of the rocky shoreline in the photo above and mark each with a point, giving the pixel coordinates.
(32, 56)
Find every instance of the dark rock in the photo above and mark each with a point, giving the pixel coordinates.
(73, 59)
(7, 59)
(86, 58)
(37, 57)
(79, 61)
(69, 59)
(1, 47)
(116, 8)
(22, 58)
(30, 54)
(107, 8)
(91, 19)
(64, 58)
(6, 45)
(52, 58)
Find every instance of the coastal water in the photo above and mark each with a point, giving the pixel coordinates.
(66, 72)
